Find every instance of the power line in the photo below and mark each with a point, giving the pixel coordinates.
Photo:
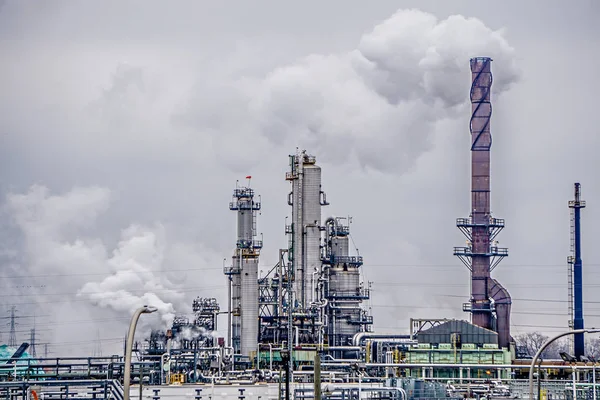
(268, 265)
(558, 314)
(23, 331)
(533, 300)
(541, 312)
(380, 284)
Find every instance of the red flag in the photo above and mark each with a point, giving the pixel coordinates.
(248, 177)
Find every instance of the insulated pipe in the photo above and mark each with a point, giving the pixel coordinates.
(356, 339)
(343, 348)
(329, 224)
(502, 301)
(129, 347)
(417, 365)
(229, 310)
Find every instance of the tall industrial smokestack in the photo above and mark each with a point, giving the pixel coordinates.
(576, 270)
(490, 302)
(243, 273)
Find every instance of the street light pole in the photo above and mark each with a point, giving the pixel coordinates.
(594, 377)
(129, 347)
(544, 346)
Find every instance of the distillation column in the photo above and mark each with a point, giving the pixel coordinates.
(306, 199)
(344, 290)
(576, 271)
(481, 255)
(243, 273)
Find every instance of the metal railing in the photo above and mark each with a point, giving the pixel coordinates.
(491, 222)
(493, 251)
(360, 294)
(352, 260)
(59, 389)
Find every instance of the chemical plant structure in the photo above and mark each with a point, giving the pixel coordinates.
(307, 319)
(311, 303)
(313, 297)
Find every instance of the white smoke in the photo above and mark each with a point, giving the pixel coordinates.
(377, 104)
(133, 281)
(62, 254)
(191, 333)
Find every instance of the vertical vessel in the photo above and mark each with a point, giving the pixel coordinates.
(243, 273)
(344, 291)
(306, 199)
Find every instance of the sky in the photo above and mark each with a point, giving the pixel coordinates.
(124, 126)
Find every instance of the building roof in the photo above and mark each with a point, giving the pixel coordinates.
(458, 330)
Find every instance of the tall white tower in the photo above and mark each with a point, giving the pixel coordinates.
(243, 273)
(306, 199)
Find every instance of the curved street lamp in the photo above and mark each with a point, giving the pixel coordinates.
(544, 346)
(129, 346)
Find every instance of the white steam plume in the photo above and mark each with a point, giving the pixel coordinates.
(191, 333)
(377, 104)
(71, 272)
(133, 281)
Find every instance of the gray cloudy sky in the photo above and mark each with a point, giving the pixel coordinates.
(124, 126)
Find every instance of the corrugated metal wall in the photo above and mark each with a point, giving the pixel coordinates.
(469, 333)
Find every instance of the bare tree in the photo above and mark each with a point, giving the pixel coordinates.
(592, 348)
(529, 343)
(561, 345)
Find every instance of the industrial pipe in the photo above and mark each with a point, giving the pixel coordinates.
(357, 338)
(502, 302)
(129, 347)
(448, 365)
(357, 348)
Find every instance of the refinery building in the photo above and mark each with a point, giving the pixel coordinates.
(306, 317)
(311, 302)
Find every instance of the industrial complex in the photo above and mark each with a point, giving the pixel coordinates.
(302, 330)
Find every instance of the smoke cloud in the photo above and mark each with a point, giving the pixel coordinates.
(377, 104)
(167, 131)
(58, 234)
(133, 282)
(190, 333)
